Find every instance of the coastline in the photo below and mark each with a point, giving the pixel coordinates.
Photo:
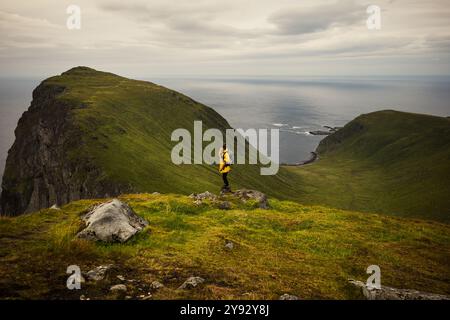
(314, 157)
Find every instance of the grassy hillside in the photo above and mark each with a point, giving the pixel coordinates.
(126, 126)
(119, 142)
(387, 162)
(308, 251)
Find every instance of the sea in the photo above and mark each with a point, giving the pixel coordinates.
(295, 106)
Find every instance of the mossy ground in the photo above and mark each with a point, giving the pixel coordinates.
(308, 251)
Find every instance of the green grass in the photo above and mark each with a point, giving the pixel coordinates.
(309, 251)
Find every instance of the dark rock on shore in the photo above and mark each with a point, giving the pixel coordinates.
(323, 132)
(320, 133)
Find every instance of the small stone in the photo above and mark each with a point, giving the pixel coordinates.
(229, 245)
(55, 207)
(147, 297)
(156, 285)
(120, 277)
(128, 297)
(288, 297)
(191, 283)
(99, 272)
(156, 193)
(225, 205)
(82, 297)
(118, 288)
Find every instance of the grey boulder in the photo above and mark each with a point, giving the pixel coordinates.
(118, 288)
(112, 221)
(99, 272)
(191, 283)
(288, 297)
(155, 285)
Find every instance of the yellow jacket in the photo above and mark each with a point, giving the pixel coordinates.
(225, 162)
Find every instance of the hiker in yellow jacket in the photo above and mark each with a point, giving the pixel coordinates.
(225, 166)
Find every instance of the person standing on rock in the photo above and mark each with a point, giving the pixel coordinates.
(225, 167)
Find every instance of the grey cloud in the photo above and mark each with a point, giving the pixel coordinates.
(144, 12)
(183, 25)
(318, 18)
(215, 36)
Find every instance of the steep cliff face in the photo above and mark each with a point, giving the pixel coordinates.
(39, 171)
(90, 134)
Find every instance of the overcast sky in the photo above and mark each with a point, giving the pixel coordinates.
(154, 38)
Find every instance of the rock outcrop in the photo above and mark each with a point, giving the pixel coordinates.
(242, 194)
(260, 197)
(389, 293)
(203, 196)
(112, 221)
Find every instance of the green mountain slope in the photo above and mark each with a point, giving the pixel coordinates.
(94, 134)
(388, 162)
(308, 251)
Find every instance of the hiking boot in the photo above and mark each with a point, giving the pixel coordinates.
(225, 189)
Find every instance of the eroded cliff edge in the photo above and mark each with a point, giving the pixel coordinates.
(46, 164)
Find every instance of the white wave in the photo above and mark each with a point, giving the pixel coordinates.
(279, 124)
(306, 133)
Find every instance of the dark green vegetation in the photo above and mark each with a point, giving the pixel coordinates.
(386, 162)
(309, 251)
